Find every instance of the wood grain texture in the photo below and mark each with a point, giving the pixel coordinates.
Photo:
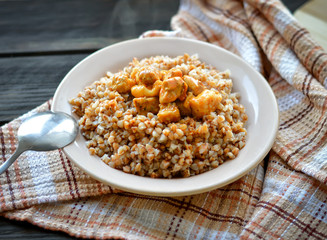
(292, 5)
(42, 40)
(27, 82)
(47, 25)
(14, 230)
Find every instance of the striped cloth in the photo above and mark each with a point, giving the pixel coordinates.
(283, 198)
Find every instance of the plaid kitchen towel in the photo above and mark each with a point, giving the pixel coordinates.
(285, 200)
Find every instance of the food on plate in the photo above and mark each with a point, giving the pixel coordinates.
(163, 117)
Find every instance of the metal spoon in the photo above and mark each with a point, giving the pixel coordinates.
(43, 132)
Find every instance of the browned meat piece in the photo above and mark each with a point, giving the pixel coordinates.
(148, 75)
(143, 91)
(194, 85)
(205, 103)
(144, 105)
(168, 113)
(184, 106)
(172, 89)
(174, 72)
(122, 83)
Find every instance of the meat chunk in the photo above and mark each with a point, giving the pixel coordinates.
(194, 85)
(122, 83)
(205, 103)
(144, 105)
(174, 72)
(172, 89)
(148, 75)
(143, 91)
(168, 113)
(184, 106)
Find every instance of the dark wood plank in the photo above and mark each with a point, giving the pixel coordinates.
(47, 25)
(292, 5)
(27, 82)
(15, 230)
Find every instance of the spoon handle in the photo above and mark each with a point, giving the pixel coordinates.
(4, 166)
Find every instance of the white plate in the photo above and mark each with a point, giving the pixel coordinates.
(256, 96)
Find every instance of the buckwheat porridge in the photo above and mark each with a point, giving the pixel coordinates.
(162, 117)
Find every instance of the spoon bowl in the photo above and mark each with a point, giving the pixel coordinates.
(44, 131)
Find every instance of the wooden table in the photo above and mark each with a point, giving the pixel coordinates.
(41, 40)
